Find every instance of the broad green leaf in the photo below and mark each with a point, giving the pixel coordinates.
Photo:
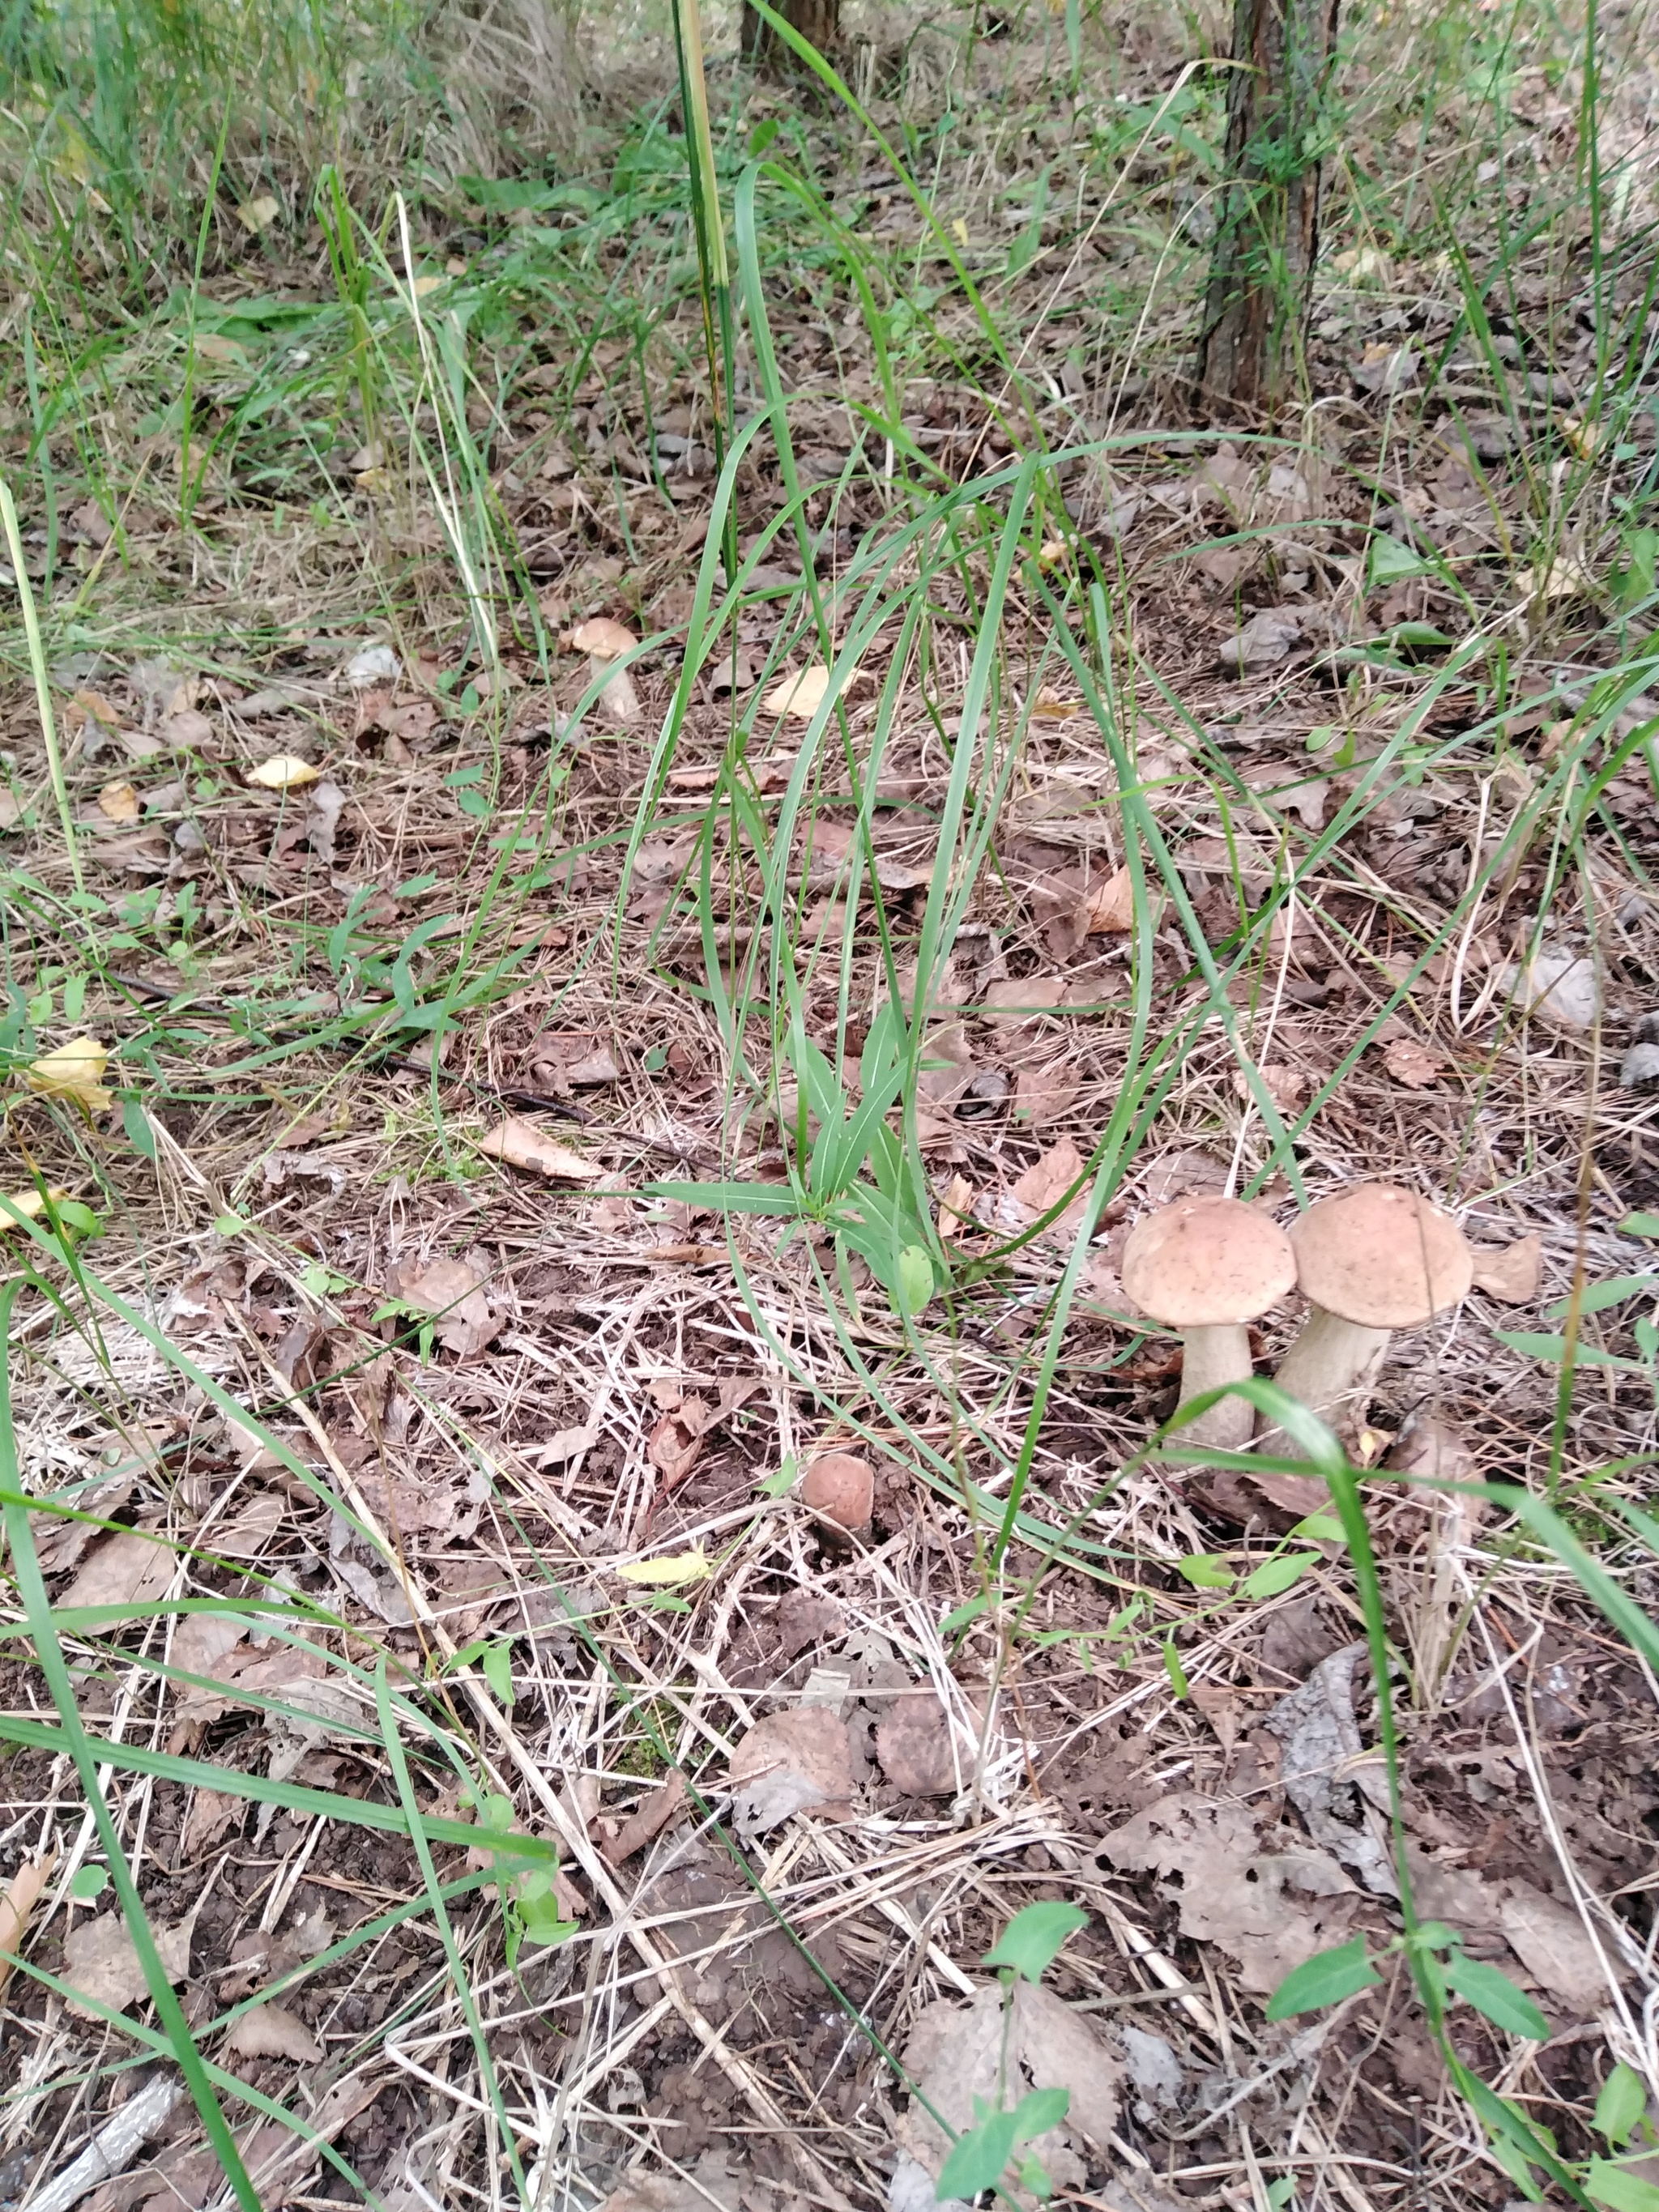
(1639, 1224)
(977, 2159)
(1319, 1528)
(1205, 1570)
(1553, 1349)
(1598, 1296)
(497, 1663)
(915, 1279)
(1038, 2110)
(1031, 1941)
(1175, 1670)
(1619, 2188)
(1621, 2103)
(89, 1882)
(959, 1616)
(1324, 1979)
(1496, 1996)
(1275, 1575)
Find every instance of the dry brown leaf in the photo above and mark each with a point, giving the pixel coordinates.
(520, 1144)
(791, 1762)
(18, 1902)
(452, 1291)
(74, 1070)
(956, 1208)
(258, 215)
(128, 1568)
(271, 2031)
(30, 1203)
(919, 1750)
(1551, 1942)
(212, 1812)
(1270, 1910)
(119, 802)
(200, 1645)
(799, 695)
(1047, 1181)
(1112, 905)
(661, 1809)
(1041, 1095)
(1409, 1063)
(1010, 998)
(675, 1444)
(100, 1962)
(285, 772)
(960, 2052)
(1510, 1272)
(1286, 1086)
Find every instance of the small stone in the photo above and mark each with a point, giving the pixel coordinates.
(1639, 1069)
(840, 1487)
(1562, 988)
(1647, 1029)
(374, 664)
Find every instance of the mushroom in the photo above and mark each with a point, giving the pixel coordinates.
(1370, 1260)
(1206, 1267)
(605, 642)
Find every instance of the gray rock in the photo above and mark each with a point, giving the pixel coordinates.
(1647, 1029)
(1563, 988)
(1639, 1069)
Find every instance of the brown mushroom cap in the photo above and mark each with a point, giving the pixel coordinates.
(1201, 1262)
(1381, 1256)
(605, 639)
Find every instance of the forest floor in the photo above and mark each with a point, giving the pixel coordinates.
(1256, 808)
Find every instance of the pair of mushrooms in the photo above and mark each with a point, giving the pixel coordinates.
(1370, 1260)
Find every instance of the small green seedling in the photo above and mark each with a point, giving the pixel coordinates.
(1027, 1948)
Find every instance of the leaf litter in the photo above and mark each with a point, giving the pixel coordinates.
(1213, 1831)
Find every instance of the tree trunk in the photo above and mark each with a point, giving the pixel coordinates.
(816, 20)
(1255, 311)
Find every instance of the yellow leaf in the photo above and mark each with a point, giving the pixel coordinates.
(31, 1203)
(959, 231)
(1560, 580)
(425, 284)
(800, 696)
(119, 802)
(256, 215)
(18, 1902)
(73, 1071)
(283, 773)
(667, 1573)
(1584, 437)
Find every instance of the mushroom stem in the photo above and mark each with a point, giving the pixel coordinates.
(1209, 1357)
(1331, 1364)
(619, 698)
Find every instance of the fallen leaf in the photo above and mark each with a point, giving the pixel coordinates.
(660, 1809)
(100, 1962)
(119, 802)
(213, 345)
(520, 1144)
(668, 1570)
(1043, 1094)
(674, 1448)
(956, 1208)
(961, 2055)
(919, 1750)
(283, 773)
(789, 1763)
(1270, 1910)
(799, 695)
(31, 1203)
(1224, 1710)
(1111, 904)
(1268, 637)
(1323, 1763)
(271, 2031)
(1409, 1063)
(1047, 1181)
(73, 1071)
(563, 1444)
(212, 1812)
(201, 1643)
(1557, 580)
(17, 1901)
(258, 215)
(1511, 1272)
(1550, 1942)
(1009, 998)
(707, 2186)
(126, 1569)
(452, 1290)
(1384, 368)
(185, 730)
